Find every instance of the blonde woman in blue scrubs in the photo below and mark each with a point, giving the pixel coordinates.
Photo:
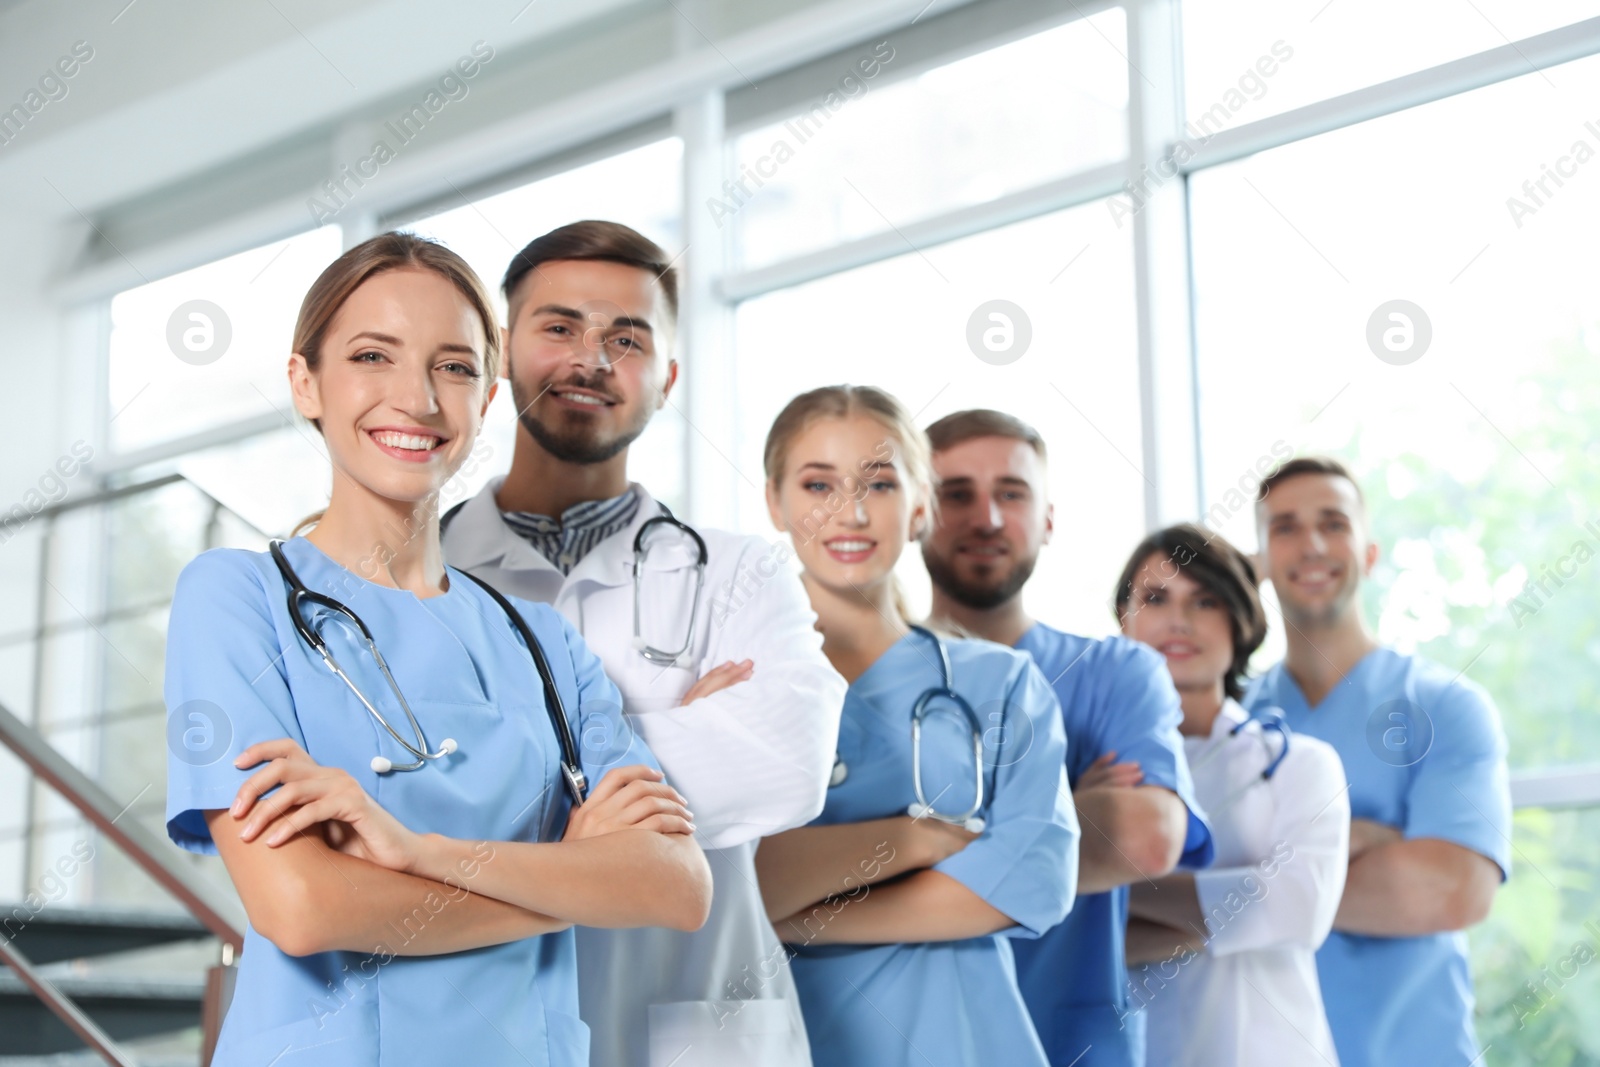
(402, 916)
(900, 925)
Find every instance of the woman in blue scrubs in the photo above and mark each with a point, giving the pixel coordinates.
(899, 922)
(402, 916)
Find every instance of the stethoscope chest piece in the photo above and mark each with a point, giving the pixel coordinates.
(973, 823)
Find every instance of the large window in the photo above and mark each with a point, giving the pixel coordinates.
(872, 152)
(1413, 293)
(1060, 354)
(209, 346)
(642, 188)
(1476, 442)
(1328, 47)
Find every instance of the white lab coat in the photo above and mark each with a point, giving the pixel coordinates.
(1252, 998)
(752, 760)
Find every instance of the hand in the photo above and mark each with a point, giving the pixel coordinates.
(630, 798)
(311, 794)
(934, 840)
(1367, 834)
(719, 678)
(1103, 773)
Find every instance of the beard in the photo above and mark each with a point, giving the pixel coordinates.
(1320, 616)
(980, 596)
(578, 441)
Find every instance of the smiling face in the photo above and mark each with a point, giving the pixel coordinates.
(589, 356)
(1315, 549)
(1181, 619)
(846, 502)
(993, 518)
(399, 389)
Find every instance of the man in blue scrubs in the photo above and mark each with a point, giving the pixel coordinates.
(1426, 759)
(1125, 758)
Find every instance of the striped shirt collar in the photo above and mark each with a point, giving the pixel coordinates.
(565, 541)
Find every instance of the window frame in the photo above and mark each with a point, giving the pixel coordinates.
(1172, 440)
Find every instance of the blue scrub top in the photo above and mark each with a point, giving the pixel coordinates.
(928, 1004)
(237, 673)
(1424, 752)
(1116, 696)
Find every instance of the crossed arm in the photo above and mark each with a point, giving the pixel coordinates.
(1131, 831)
(1408, 888)
(321, 866)
(870, 882)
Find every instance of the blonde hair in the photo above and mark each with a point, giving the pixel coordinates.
(841, 402)
(379, 255)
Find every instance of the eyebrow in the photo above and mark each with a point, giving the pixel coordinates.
(1323, 512)
(965, 480)
(383, 338)
(575, 315)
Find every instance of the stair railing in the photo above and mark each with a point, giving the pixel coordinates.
(213, 909)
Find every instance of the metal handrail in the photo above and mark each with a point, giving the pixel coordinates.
(216, 912)
(106, 496)
(213, 909)
(68, 1012)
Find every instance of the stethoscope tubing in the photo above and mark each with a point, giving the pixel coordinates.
(922, 807)
(571, 767)
(641, 551)
(1270, 723)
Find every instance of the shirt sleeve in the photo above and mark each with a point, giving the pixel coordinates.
(1025, 862)
(1286, 899)
(1460, 791)
(1139, 715)
(604, 735)
(226, 688)
(775, 734)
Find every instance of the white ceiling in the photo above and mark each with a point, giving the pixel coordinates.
(176, 87)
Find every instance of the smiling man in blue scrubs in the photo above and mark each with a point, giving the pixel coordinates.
(1426, 759)
(1125, 760)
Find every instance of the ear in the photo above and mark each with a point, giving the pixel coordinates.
(1049, 522)
(303, 388)
(505, 353)
(666, 387)
(919, 522)
(488, 397)
(1369, 559)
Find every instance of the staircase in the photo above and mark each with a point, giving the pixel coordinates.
(80, 1010)
(126, 1007)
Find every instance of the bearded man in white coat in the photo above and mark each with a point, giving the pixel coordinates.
(744, 721)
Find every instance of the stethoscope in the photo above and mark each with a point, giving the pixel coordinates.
(641, 551)
(1268, 722)
(299, 595)
(924, 706)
